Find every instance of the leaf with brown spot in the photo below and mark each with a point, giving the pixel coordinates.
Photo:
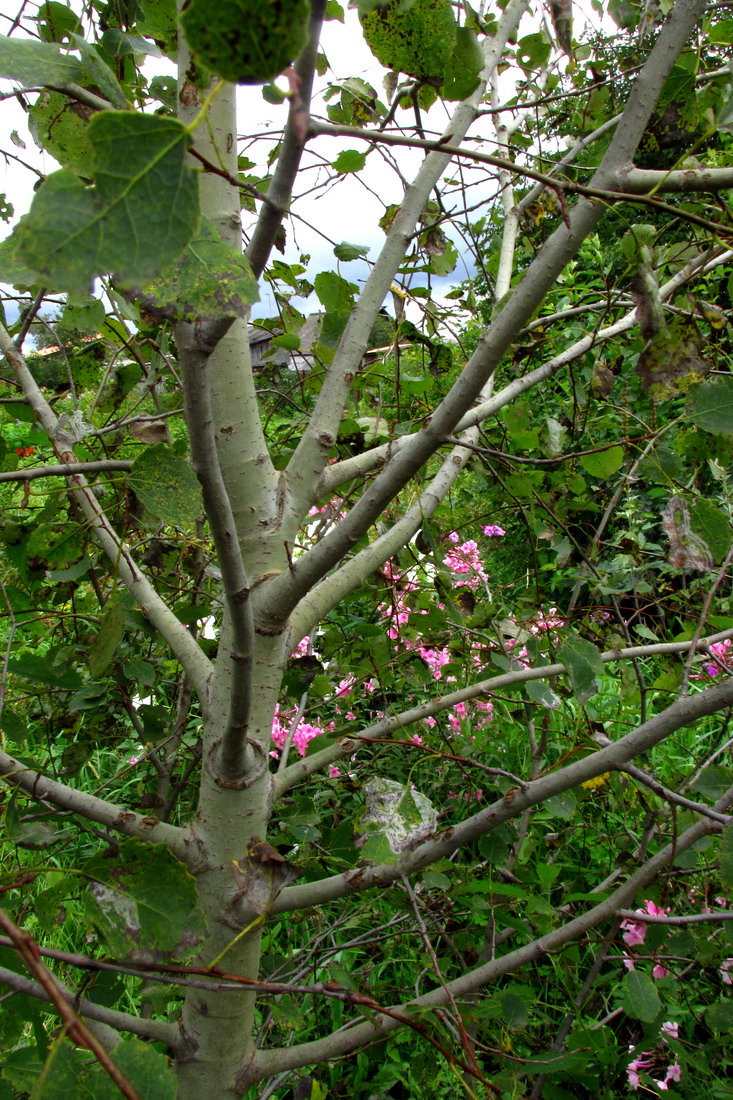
(260, 875)
(148, 431)
(671, 363)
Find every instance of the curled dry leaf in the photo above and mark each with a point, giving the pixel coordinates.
(148, 431)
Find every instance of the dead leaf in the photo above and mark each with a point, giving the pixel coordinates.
(148, 431)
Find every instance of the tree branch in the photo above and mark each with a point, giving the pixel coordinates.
(300, 770)
(640, 181)
(287, 590)
(184, 646)
(628, 184)
(233, 754)
(309, 458)
(326, 595)
(61, 999)
(690, 918)
(340, 1043)
(92, 808)
(154, 1030)
(348, 469)
(280, 191)
(614, 757)
(102, 466)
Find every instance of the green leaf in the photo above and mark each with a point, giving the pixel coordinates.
(712, 782)
(603, 464)
(442, 263)
(61, 127)
(583, 661)
(719, 1017)
(104, 647)
(99, 73)
(137, 219)
(212, 279)
(70, 1072)
(157, 20)
(418, 40)
(56, 21)
(40, 669)
(640, 998)
(249, 42)
(13, 726)
(725, 852)
(33, 63)
(349, 160)
(662, 466)
(463, 70)
(712, 525)
(272, 94)
(542, 694)
(334, 293)
(561, 805)
(514, 1010)
(290, 341)
(624, 13)
(347, 251)
(148, 1071)
(671, 362)
(724, 117)
(710, 406)
(143, 902)
(167, 486)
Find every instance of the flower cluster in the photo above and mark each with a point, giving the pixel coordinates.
(304, 731)
(635, 934)
(650, 1061)
(464, 561)
(723, 659)
(25, 452)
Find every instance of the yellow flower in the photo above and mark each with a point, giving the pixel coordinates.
(597, 781)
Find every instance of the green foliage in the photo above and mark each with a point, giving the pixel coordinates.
(68, 1072)
(640, 998)
(143, 903)
(134, 221)
(249, 42)
(167, 486)
(213, 279)
(423, 40)
(592, 514)
(34, 63)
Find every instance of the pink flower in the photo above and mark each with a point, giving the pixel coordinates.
(301, 650)
(493, 531)
(465, 563)
(724, 972)
(434, 659)
(333, 772)
(632, 1070)
(671, 1029)
(635, 933)
(659, 971)
(305, 732)
(723, 659)
(454, 719)
(417, 739)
